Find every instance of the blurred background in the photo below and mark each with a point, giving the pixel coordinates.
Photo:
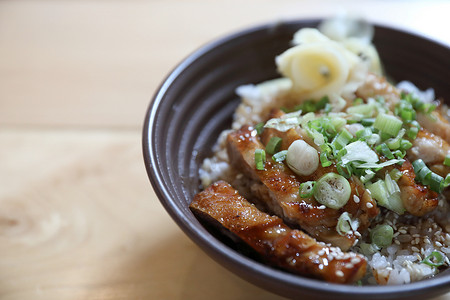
(78, 216)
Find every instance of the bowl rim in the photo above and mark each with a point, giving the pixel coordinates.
(215, 248)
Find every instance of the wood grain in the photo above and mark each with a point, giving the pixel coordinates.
(78, 217)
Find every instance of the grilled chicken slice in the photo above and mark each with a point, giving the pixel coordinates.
(432, 149)
(417, 199)
(378, 86)
(436, 124)
(279, 245)
(279, 188)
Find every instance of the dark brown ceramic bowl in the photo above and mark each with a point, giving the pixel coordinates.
(195, 103)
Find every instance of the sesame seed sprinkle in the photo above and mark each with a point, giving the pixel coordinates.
(339, 273)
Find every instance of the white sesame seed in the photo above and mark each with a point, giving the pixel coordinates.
(397, 242)
(339, 273)
(349, 266)
(369, 205)
(355, 260)
(439, 244)
(415, 249)
(356, 199)
(321, 252)
(322, 207)
(402, 231)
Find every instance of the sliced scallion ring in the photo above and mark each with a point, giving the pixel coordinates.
(332, 190)
(307, 189)
(435, 259)
(382, 235)
(344, 224)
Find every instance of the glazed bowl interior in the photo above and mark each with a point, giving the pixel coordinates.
(196, 102)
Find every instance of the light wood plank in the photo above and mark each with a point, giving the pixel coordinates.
(97, 63)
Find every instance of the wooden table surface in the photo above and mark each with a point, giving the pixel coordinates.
(78, 217)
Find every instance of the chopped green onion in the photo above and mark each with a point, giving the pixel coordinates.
(327, 108)
(418, 165)
(285, 122)
(407, 114)
(435, 259)
(359, 151)
(338, 122)
(379, 192)
(260, 159)
(446, 181)
(405, 144)
(324, 160)
(382, 235)
(280, 156)
(307, 189)
(447, 161)
(426, 107)
(380, 165)
(358, 101)
(259, 128)
(344, 224)
(345, 171)
(332, 190)
(366, 110)
(391, 186)
(424, 175)
(369, 249)
(384, 149)
(436, 182)
(428, 177)
(395, 174)
(412, 132)
(322, 103)
(312, 106)
(399, 153)
(388, 124)
(368, 121)
(273, 145)
(363, 134)
(368, 176)
(341, 140)
(394, 143)
(373, 139)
